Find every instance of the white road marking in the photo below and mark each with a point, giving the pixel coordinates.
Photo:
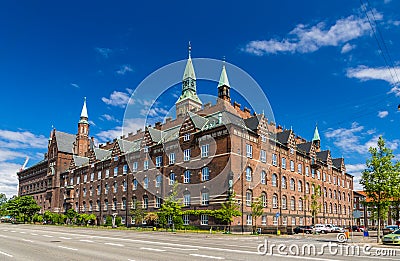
(86, 240)
(3, 253)
(205, 256)
(114, 244)
(3, 236)
(27, 240)
(131, 260)
(22, 232)
(69, 248)
(5, 230)
(183, 249)
(153, 249)
(13, 231)
(33, 234)
(65, 237)
(46, 236)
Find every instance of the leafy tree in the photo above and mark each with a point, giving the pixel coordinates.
(315, 202)
(138, 213)
(151, 218)
(108, 221)
(228, 210)
(71, 215)
(3, 198)
(381, 179)
(171, 209)
(256, 211)
(22, 208)
(118, 221)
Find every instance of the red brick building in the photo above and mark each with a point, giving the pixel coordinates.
(211, 150)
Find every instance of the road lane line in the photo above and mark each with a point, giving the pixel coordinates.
(46, 236)
(3, 236)
(65, 237)
(86, 240)
(153, 249)
(69, 248)
(3, 253)
(27, 240)
(33, 234)
(22, 232)
(114, 244)
(183, 249)
(205, 256)
(13, 231)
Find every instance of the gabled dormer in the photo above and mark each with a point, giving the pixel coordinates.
(191, 124)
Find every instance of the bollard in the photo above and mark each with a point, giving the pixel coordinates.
(278, 232)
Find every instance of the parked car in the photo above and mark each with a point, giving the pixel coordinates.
(321, 228)
(337, 230)
(303, 229)
(392, 238)
(392, 227)
(354, 229)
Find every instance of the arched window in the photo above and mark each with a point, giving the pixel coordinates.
(292, 184)
(334, 194)
(292, 203)
(330, 193)
(158, 181)
(114, 206)
(186, 198)
(283, 182)
(325, 207)
(275, 201)
(105, 204)
(330, 208)
(339, 195)
(335, 209)
(307, 187)
(263, 177)
(274, 180)
(299, 186)
(249, 196)
(134, 202)
(248, 174)
(340, 209)
(284, 202)
(171, 178)
(123, 203)
(145, 202)
(312, 189)
(325, 193)
(344, 196)
(264, 199)
(300, 204)
(115, 187)
(146, 183)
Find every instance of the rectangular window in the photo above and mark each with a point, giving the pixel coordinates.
(125, 169)
(71, 181)
(274, 160)
(307, 173)
(249, 151)
(318, 174)
(186, 219)
(299, 168)
(123, 220)
(145, 149)
(115, 171)
(107, 173)
(135, 184)
(145, 202)
(249, 220)
(99, 175)
(158, 202)
(275, 221)
(204, 198)
(264, 220)
(283, 163)
(186, 155)
(186, 137)
(158, 161)
(78, 180)
(313, 173)
(146, 165)
(291, 165)
(204, 150)
(186, 200)
(85, 178)
(205, 174)
(186, 176)
(135, 166)
(263, 138)
(172, 158)
(204, 219)
(263, 156)
(116, 158)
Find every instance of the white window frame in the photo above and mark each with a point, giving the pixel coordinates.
(186, 137)
(172, 158)
(205, 174)
(186, 176)
(158, 161)
(135, 166)
(172, 178)
(204, 219)
(205, 198)
(205, 150)
(263, 156)
(186, 155)
(249, 151)
(146, 165)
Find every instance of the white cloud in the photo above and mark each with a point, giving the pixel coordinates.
(347, 48)
(105, 52)
(356, 170)
(383, 114)
(8, 178)
(21, 139)
(365, 73)
(6, 155)
(153, 112)
(119, 99)
(109, 117)
(131, 125)
(124, 69)
(307, 39)
(353, 139)
(75, 85)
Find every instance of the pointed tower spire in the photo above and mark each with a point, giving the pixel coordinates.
(189, 91)
(84, 113)
(223, 85)
(316, 139)
(81, 145)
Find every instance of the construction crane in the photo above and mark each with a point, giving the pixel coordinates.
(26, 162)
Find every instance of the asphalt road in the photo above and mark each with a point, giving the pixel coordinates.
(34, 242)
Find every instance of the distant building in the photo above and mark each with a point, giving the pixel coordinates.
(253, 158)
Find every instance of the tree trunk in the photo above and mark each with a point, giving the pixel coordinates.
(378, 239)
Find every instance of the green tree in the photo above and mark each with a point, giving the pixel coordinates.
(228, 210)
(3, 199)
(315, 202)
(171, 209)
(71, 215)
(138, 212)
(22, 208)
(380, 179)
(256, 211)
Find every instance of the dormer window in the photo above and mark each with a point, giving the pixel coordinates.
(146, 149)
(186, 137)
(116, 158)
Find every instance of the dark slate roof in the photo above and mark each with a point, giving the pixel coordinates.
(197, 120)
(252, 122)
(155, 134)
(306, 147)
(125, 145)
(171, 134)
(283, 137)
(36, 164)
(337, 162)
(65, 141)
(227, 118)
(80, 161)
(102, 154)
(323, 155)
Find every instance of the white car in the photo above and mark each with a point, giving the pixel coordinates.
(321, 228)
(337, 230)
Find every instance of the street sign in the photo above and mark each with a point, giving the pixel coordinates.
(277, 214)
(357, 213)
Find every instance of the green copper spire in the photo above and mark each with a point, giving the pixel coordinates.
(223, 79)
(316, 134)
(84, 114)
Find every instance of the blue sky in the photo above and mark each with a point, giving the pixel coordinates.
(317, 62)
